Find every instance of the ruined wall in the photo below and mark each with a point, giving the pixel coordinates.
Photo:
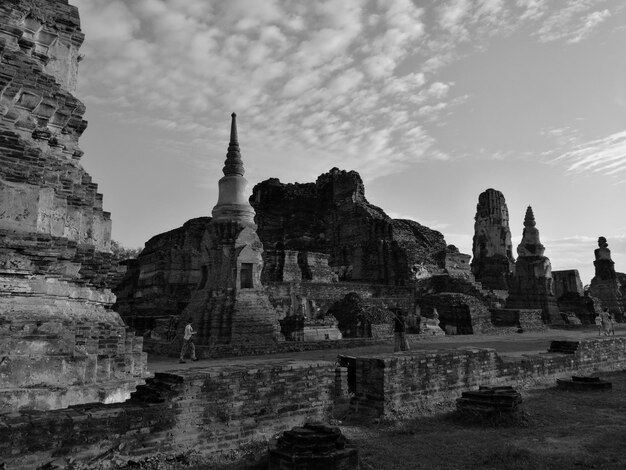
(402, 385)
(459, 314)
(332, 216)
(60, 342)
(160, 282)
(571, 298)
(201, 411)
(567, 282)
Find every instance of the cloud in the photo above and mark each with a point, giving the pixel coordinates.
(606, 156)
(574, 22)
(306, 78)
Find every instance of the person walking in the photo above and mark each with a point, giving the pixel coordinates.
(400, 341)
(188, 343)
(611, 324)
(606, 321)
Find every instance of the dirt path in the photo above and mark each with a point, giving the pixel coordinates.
(506, 345)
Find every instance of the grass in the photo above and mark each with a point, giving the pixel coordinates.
(554, 430)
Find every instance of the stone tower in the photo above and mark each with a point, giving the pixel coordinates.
(493, 260)
(531, 285)
(60, 342)
(230, 305)
(605, 284)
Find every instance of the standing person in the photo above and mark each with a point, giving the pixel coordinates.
(605, 321)
(188, 343)
(611, 324)
(598, 321)
(400, 341)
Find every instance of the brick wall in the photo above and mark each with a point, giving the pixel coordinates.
(394, 385)
(217, 408)
(201, 410)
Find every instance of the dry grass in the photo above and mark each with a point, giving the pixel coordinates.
(554, 430)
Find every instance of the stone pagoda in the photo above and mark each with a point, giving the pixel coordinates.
(493, 261)
(531, 284)
(230, 305)
(60, 342)
(605, 284)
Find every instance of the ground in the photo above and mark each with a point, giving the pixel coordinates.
(554, 429)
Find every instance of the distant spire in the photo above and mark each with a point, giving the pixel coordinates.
(531, 245)
(233, 164)
(529, 219)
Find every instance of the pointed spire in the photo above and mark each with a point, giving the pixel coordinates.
(233, 164)
(529, 219)
(530, 245)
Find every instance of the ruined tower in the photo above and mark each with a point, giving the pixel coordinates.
(605, 284)
(531, 285)
(60, 342)
(230, 305)
(493, 260)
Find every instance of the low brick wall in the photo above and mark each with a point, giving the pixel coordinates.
(217, 408)
(200, 410)
(396, 386)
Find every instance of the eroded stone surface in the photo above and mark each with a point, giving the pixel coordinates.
(333, 216)
(60, 342)
(605, 285)
(492, 248)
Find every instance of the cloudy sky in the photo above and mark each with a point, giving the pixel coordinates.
(432, 102)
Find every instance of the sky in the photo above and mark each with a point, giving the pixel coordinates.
(432, 102)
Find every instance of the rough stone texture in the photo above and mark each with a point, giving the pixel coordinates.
(531, 285)
(605, 285)
(566, 282)
(571, 298)
(457, 264)
(459, 314)
(59, 340)
(521, 320)
(204, 411)
(312, 446)
(360, 317)
(159, 283)
(492, 248)
(445, 283)
(397, 386)
(296, 266)
(332, 216)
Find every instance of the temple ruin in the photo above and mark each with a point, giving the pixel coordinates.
(284, 268)
(493, 260)
(605, 285)
(531, 285)
(60, 342)
(230, 305)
